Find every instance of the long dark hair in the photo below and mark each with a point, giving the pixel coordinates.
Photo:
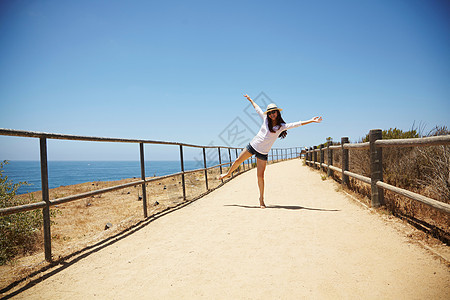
(278, 122)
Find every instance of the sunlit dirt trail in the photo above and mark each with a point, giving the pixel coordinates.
(311, 242)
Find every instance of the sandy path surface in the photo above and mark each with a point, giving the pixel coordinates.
(312, 242)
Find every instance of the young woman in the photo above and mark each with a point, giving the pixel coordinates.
(273, 127)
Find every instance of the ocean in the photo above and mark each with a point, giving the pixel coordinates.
(62, 173)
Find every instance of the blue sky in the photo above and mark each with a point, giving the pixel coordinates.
(177, 70)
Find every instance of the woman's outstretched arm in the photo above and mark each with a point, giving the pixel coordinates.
(301, 123)
(257, 108)
(313, 120)
(251, 101)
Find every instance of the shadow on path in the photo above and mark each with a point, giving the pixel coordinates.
(63, 263)
(289, 207)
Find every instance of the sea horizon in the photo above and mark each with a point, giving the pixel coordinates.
(70, 172)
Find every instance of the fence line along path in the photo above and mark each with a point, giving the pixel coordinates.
(312, 241)
(46, 203)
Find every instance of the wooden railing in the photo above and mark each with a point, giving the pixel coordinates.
(277, 154)
(375, 145)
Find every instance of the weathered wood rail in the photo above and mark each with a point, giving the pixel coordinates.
(277, 154)
(375, 145)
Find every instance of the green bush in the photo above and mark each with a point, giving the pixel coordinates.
(18, 232)
(395, 133)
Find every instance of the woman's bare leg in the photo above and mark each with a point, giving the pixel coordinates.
(242, 157)
(260, 169)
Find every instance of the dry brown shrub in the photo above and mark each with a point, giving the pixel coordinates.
(435, 172)
(423, 170)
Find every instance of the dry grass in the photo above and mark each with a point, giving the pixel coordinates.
(81, 223)
(423, 170)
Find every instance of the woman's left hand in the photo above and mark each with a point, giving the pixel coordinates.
(316, 119)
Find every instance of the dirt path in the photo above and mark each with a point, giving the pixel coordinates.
(312, 242)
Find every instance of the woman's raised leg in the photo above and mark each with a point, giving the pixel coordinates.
(242, 157)
(260, 169)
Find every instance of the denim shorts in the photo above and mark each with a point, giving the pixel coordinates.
(258, 155)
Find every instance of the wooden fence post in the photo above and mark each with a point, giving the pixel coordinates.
(345, 161)
(206, 170)
(315, 157)
(376, 168)
(239, 170)
(182, 170)
(144, 193)
(310, 156)
(229, 156)
(322, 158)
(220, 162)
(46, 199)
(330, 160)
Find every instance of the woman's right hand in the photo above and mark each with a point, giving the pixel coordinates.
(248, 98)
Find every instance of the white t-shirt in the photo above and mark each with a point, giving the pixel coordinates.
(264, 140)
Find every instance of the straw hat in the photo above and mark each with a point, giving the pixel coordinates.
(272, 106)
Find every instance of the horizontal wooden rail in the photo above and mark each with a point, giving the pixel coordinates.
(414, 142)
(441, 206)
(336, 169)
(348, 173)
(35, 134)
(335, 147)
(376, 180)
(347, 146)
(444, 207)
(359, 177)
(357, 146)
(21, 208)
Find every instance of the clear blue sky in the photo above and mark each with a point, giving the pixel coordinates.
(177, 70)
